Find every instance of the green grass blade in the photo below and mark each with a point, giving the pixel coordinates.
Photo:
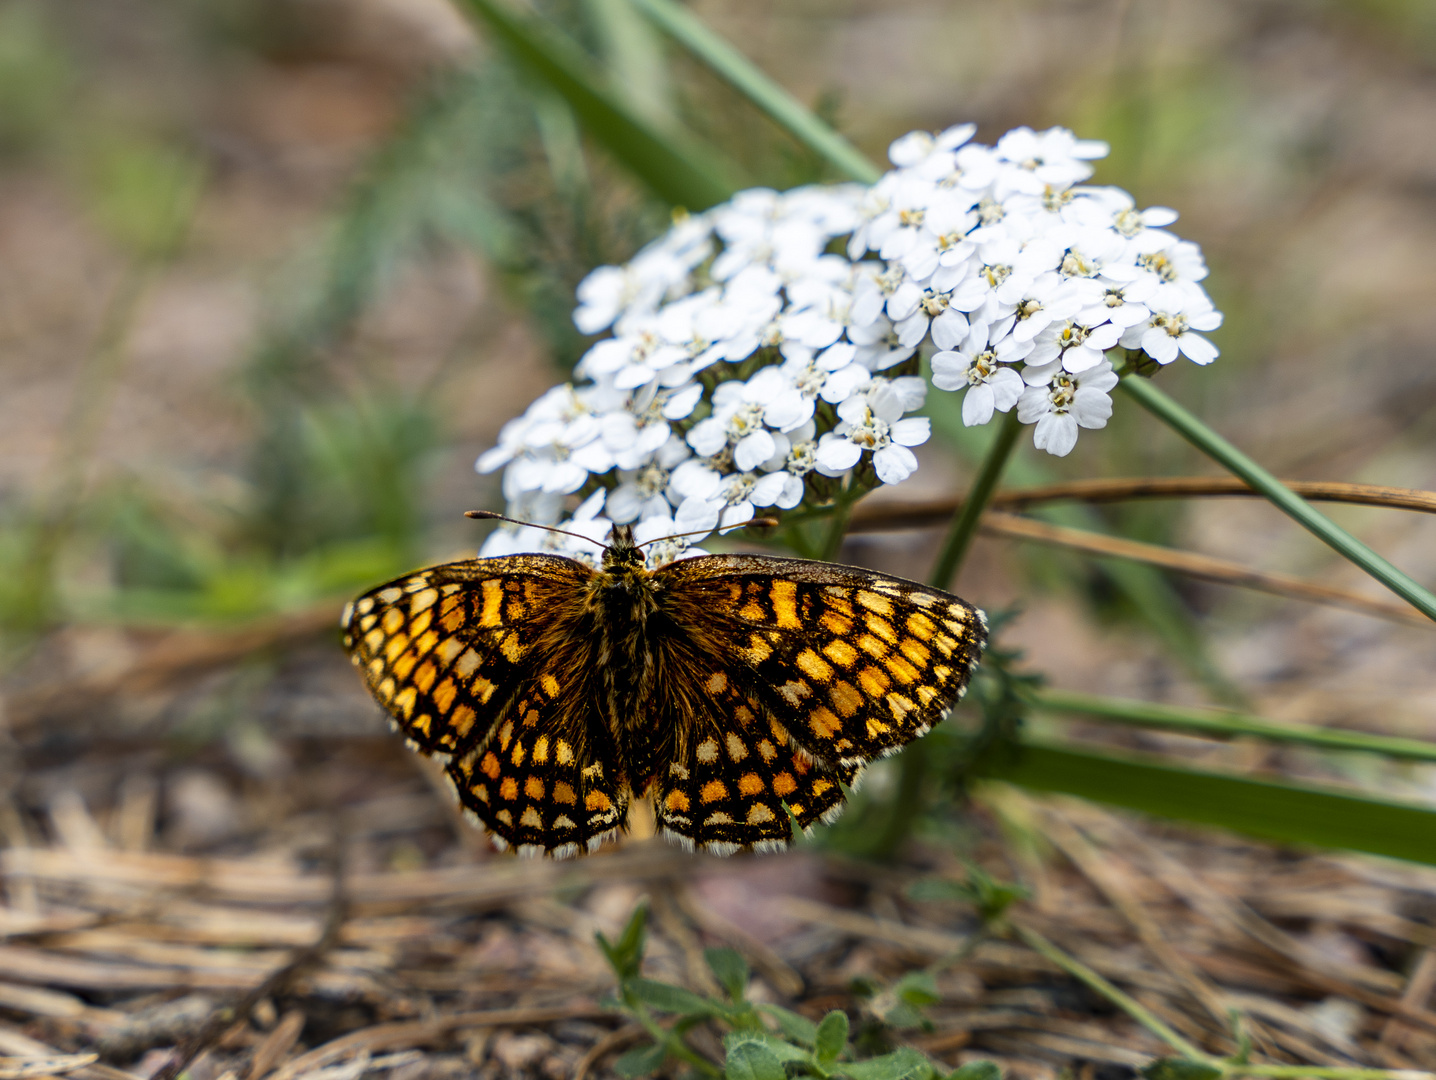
(749, 80)
(682, 175)
(1213, 445)
(1231, 725)
(1278, 810)
(1150, 594)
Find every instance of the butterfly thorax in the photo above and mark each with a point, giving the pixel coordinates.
(623, 598)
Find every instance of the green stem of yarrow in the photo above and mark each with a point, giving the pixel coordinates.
(1283, 498)
(913, 763)
(837, 528)
(965, 518)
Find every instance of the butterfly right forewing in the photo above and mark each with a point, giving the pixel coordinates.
(854, 664)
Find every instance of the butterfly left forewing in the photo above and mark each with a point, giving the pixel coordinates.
(854, 664)
(444, 649)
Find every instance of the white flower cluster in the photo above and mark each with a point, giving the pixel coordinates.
(752, 364)
(1023, 280)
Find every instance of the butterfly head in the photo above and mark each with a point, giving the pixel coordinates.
(621, 552)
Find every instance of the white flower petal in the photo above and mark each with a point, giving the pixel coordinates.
(894, 464)
(1056, 433)
(752, 450)
(1197, 349)
(837, 453)
(913, 431)
(977, 404)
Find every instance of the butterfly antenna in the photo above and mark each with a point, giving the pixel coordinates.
(489, 515)
(696, 532)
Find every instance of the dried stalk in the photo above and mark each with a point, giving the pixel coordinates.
(1205, 567)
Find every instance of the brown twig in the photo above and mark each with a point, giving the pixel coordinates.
(276, 1044)
(222, 1020)
(774, 968)
(1192, 564)
(1418, 990)
(1369, 986)
(614, 1040)
(424, 1032)
(178, 654)
(1109, 878)
(889, 516)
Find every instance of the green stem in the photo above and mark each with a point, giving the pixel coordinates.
(964, 522)
(905, 805)
(1210, 443)
(1324, 1072)
(669, 1040)
(677, 171)
(743, 75)
(837, 529)
(1231, 725)
(1128, 1005)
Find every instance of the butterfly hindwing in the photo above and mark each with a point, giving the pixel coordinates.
(542, 783)
(739, 780)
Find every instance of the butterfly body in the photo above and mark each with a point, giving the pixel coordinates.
(739, 692)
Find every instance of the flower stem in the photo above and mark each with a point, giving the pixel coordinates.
(1214, 446)
(837, 528)
(964, 522)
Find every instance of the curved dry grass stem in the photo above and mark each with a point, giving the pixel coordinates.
(1205, 567)
(889, 516)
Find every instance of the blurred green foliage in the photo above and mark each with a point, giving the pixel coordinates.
(37, 78)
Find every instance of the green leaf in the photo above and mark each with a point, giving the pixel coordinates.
(681, 174)
(626, 956)
(832, 1037)
(904, 1016)
(752, 1060)
(798, 1028)
(668, 998)
(917, 988)
(976, 1070)
(144, 194)
(1221, 723)
(1274, 810)
(779, 1048)
(904, 1063)
(1175, 1068)
(940, 889)
(730, 969)
(641, 1060)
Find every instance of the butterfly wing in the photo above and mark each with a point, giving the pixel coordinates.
(484, 665)
(720, 779)
(847, 665)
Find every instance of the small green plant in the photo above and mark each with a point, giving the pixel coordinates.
(762, 1041)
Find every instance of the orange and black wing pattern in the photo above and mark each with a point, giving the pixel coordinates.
(479, 664)
(839, 665)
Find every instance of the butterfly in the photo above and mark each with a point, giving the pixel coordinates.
(740, 692)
